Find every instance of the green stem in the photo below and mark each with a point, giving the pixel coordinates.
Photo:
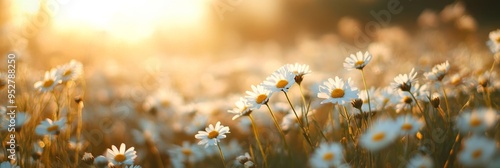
(446, 100)
(254, 127)
(278, 127)
(305, 132)
(221, 155)
(367, 92)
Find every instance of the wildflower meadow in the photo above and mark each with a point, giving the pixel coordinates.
(95, 96)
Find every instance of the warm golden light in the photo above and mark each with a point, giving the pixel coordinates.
(129, 19)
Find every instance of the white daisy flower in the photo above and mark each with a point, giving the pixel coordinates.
(337, 91)
(212, 135)
(403, 101)
(408, 124)
(122, 156)
(242, 159)
(494, 42)
(299, 70)
(487, 81)
(258, 96)
(280, 80)
(48, 83)
(420, 161)
(477, 151)
(380, 135)
(327, 155)
(49, 127)
(242, 108)
(187, 153)
(405, 81)
(477, 121)
(357, 61)
(70, 71)
(438, 72)
(373, 101)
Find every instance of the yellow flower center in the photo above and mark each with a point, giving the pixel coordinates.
(474, 122)
(120, 158)
(407, 100)
(48, 83)
(213, 134)
(476, 154)
(187, 152)
(328, 156)
(281, 84)
(261, 98)
(498, 40)
(359, 63)
(337, 93)
(406, 127)
(378, 136)
(67, 72)
(53, 128)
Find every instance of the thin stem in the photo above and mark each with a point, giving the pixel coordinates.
(446, 100)
(416, 102)
(254, 127)
(78, 130)
(278, 127)
(305, 132)
(221, 155)
(367, 93)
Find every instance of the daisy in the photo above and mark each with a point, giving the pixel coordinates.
(187, 153)
(438, 72)
(477, 151)
(357, 61)
(258, 96)
(49, 127)
(122, 156)
(420, 161)
(487, 81)
(380, 135)
(408, 124)
(212, 135)
(50, 81)
(242, 108)
(403, 101)
(242, 159)
(70, 71)
(476, 121)
(337, 91)
(327, 155)
(405, 81)
(494, 42)
(280, 80)
(299, 70)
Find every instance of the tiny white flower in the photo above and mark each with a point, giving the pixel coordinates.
(438, 72)
(380, 135)
(70, 71)
(49, 81)
(280, 80)
(477, 121)
(408, 124)
(258, 96)
(494, 42)
(212, 135)
(242, 108)
(122, 156)
(337, 91)
(420, 161)
(327, 155)
(49, 127)
(357, 61)
(405, 81)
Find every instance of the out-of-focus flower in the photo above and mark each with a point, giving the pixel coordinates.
(420, 161)
(466, 23)
(281, 80)
(438, 72)
(493, 43)
(88, 158)
(477, 151)
(487, 81)
(163, 102)
(50, 80)
(476, 121)
(380, 135)
(242, 108)
(122, 156)
(408, 124)
(452, 11)
(357, 61)
(327, 155)
(7, 164)
(428, 19)
(337, 91)
(71, 71)
(405, 81)
(49, 127)
(212, 135)
(101, 162)
(187, 153)
(242, 159)
(258, 96)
